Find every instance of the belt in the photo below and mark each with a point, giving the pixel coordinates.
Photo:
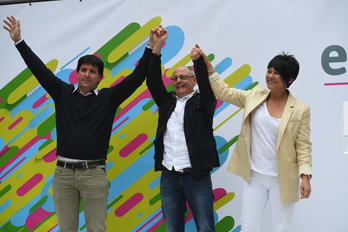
(80, 165)
(184, 170)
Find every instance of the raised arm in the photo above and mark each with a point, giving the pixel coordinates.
(196, 53)
(208, 100)
(158, 36)
(136, 78)
(154, 81)
(220, 88)
(44, 75)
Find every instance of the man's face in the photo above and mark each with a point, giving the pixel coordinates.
(183, 87)
(88, 77)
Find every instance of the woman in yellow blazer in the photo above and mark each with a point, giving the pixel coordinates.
(273, 150)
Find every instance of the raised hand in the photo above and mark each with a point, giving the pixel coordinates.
(195, 52)
(157, 37)
(159, 34)
(13, 27)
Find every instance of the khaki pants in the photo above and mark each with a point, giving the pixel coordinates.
(90, 186)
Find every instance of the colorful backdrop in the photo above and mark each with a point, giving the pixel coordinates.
(240, 39)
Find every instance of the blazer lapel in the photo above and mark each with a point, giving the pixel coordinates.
(256, 102)
(288, 110)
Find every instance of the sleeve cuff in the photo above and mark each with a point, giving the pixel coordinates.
(16, 43)
(305, 169)
(213, 77)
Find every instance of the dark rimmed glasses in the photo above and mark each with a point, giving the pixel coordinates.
(182, 77)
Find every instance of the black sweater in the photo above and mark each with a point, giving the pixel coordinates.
(83, 123)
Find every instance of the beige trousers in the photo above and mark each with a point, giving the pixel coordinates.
(72, 187)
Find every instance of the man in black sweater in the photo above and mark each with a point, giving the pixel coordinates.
(84, 118)
(185, 147)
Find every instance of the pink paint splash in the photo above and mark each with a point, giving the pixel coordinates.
(117, 81)
(218, 103)
(133, 145)
(73, 77)
(54, 228)
(219, 193)
(15, 166)
(144, 95)
(128, 107)
(15, 123)
(30, 184)
(157, 224)
(36, 218)
(50, 156)
(98, 55)
(4, 150)
(129, 204)
(331, 84)
(21, 151)
(120, 124)
(40, 101)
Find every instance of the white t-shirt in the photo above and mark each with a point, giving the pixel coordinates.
(264, 134)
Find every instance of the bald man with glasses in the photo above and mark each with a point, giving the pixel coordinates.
(185, 147)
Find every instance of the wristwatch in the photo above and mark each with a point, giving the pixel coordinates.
(309, 175)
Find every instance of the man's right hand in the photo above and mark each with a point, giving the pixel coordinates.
(14, 28)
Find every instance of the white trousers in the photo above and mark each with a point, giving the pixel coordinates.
(255, 194)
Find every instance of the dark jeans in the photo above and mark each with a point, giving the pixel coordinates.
(176, 189)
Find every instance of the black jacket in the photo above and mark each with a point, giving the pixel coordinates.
(198, 118)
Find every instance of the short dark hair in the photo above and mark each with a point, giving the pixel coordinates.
(93, 60)
(287, 66)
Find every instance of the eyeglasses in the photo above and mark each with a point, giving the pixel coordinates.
(182, 77)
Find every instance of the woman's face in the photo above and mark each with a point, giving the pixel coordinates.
(273, 80)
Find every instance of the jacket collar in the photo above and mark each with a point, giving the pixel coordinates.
(288, 110)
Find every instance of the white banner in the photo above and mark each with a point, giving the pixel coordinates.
(241, 35)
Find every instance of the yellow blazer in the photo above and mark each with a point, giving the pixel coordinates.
(293, 144)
